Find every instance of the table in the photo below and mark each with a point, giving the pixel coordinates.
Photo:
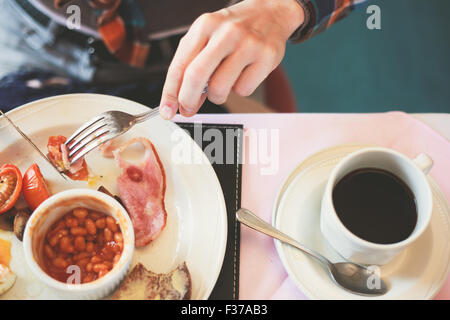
(438, 121)
(301, 135)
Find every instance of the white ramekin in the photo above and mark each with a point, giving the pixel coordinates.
(52, 210)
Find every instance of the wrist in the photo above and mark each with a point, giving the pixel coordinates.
(293, 15)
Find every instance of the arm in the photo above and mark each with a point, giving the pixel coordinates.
(236, 48)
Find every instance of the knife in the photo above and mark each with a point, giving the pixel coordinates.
(31, 143)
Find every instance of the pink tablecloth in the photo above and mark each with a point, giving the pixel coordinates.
(300, 136)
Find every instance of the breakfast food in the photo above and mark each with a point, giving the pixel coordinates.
(34, 191)
(106, 191)
(59, 156)
(108, 148)
(7, 277)
(142, 188)
(142, 284)
(10, 186)
(90, 240)
(7, 220)
(34, 188)
(20, 220)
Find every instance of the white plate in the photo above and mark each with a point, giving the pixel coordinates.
(418, 273)
(194, 199)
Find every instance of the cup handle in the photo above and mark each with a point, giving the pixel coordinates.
(424, 162)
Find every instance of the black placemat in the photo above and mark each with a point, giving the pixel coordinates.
(228, 166)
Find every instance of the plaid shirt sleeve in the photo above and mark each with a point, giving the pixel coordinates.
(321, 14)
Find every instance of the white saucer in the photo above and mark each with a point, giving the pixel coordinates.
(417, 273)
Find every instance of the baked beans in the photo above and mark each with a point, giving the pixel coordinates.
(84, 238)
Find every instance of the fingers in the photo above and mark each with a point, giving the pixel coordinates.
(189, 47)
(253, 75)
(187, 113)
(222, 43)
(195, 78)
(230, 55)
(229, 71)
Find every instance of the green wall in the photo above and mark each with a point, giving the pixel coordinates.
(404, 66)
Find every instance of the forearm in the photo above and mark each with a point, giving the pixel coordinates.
(322, 14)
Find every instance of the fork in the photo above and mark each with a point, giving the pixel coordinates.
(101, 129)
(104, 127)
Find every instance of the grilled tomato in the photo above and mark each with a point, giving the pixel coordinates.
(34, 188)
(10, 186)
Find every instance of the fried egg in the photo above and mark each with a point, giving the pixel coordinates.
(20, 281)
(7, 277)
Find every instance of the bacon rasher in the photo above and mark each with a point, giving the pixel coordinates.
(142, 188)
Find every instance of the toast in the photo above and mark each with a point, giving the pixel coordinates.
(142, 284)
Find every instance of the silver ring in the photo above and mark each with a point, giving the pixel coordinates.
(205, 90)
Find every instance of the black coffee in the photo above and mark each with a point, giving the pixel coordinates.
(375, 205)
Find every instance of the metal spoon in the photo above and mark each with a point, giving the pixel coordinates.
(350, 276)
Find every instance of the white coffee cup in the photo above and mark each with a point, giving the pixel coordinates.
(412, 172)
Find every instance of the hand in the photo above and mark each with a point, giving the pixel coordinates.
(234, 49)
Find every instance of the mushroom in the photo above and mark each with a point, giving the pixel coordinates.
(20, 220)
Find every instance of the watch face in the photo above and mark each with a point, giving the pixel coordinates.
(163, 18)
